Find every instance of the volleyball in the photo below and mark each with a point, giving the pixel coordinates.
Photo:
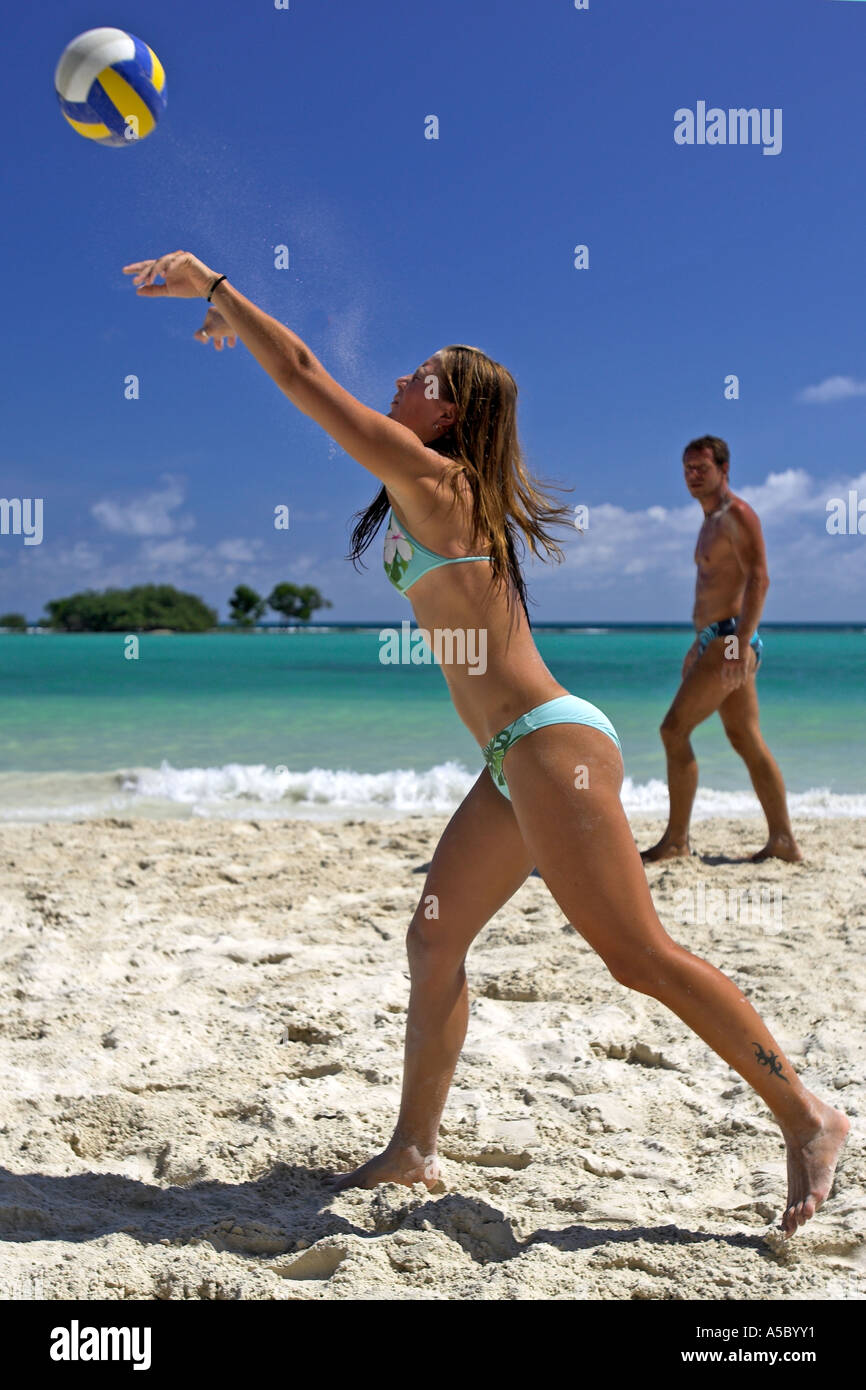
(111, 87)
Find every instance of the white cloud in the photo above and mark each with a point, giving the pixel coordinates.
(618, 542)
(641, 563)
(174, 552)
(797, 493)
(636, 565)
(83, 556)
(833, 388)
(148, 515)
(181, 562)
(239, 551)
(783, 495)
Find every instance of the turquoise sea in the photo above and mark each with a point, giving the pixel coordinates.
(312, 723)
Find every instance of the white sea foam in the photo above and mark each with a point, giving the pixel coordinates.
(651, 799)
(439, 789)
(243, 791)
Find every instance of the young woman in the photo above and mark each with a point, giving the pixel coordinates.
(448, 458)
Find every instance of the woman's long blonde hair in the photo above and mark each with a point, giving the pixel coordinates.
(482, 446)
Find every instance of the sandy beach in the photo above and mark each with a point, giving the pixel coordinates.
(205, 1018)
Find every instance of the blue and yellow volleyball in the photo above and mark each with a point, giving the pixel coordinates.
(111, 87)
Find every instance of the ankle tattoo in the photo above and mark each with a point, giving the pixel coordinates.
(769, 1059)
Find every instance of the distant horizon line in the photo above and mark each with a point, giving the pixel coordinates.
(372, 624)
(558, 623)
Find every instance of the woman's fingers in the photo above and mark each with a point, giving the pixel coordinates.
(216, 329)
(220, 338)
(145, 272)
(139, 269)
(160, 267)
(182, 276)
(210, 327)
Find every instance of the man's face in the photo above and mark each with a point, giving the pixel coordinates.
(703, 475)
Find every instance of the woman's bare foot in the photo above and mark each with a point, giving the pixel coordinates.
(779, 847)
(811, 1164)
(407, 1166)
(666, 849)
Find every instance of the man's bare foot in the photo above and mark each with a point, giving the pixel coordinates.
(405, 1166)
(666, 849)
(780, 847)
(811, 1165)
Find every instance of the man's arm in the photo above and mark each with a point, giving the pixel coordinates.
(749, 546)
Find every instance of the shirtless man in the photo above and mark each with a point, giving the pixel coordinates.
(719, 668)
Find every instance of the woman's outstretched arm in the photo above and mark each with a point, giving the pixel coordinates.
(389, 450)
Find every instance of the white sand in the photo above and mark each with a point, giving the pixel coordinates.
(207, 1017)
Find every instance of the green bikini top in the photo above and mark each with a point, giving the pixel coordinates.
(407, 560)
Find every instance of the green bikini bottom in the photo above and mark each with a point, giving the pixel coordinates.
(565, 709)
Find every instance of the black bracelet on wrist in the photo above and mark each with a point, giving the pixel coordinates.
(217, 281)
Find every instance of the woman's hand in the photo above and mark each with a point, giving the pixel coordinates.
(185, 276)
(216, 328)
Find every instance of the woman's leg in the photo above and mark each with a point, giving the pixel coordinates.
(580, 840)
(479, 863)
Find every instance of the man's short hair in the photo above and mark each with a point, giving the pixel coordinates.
(720, 451)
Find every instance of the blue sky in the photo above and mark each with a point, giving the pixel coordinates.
(305, 127)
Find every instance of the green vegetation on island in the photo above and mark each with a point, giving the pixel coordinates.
(297, 602)
(246, 606)
(13, 622)
(161, 607)
(293, 602)
(140, 609)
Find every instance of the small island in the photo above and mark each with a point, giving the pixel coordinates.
(161, 609)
